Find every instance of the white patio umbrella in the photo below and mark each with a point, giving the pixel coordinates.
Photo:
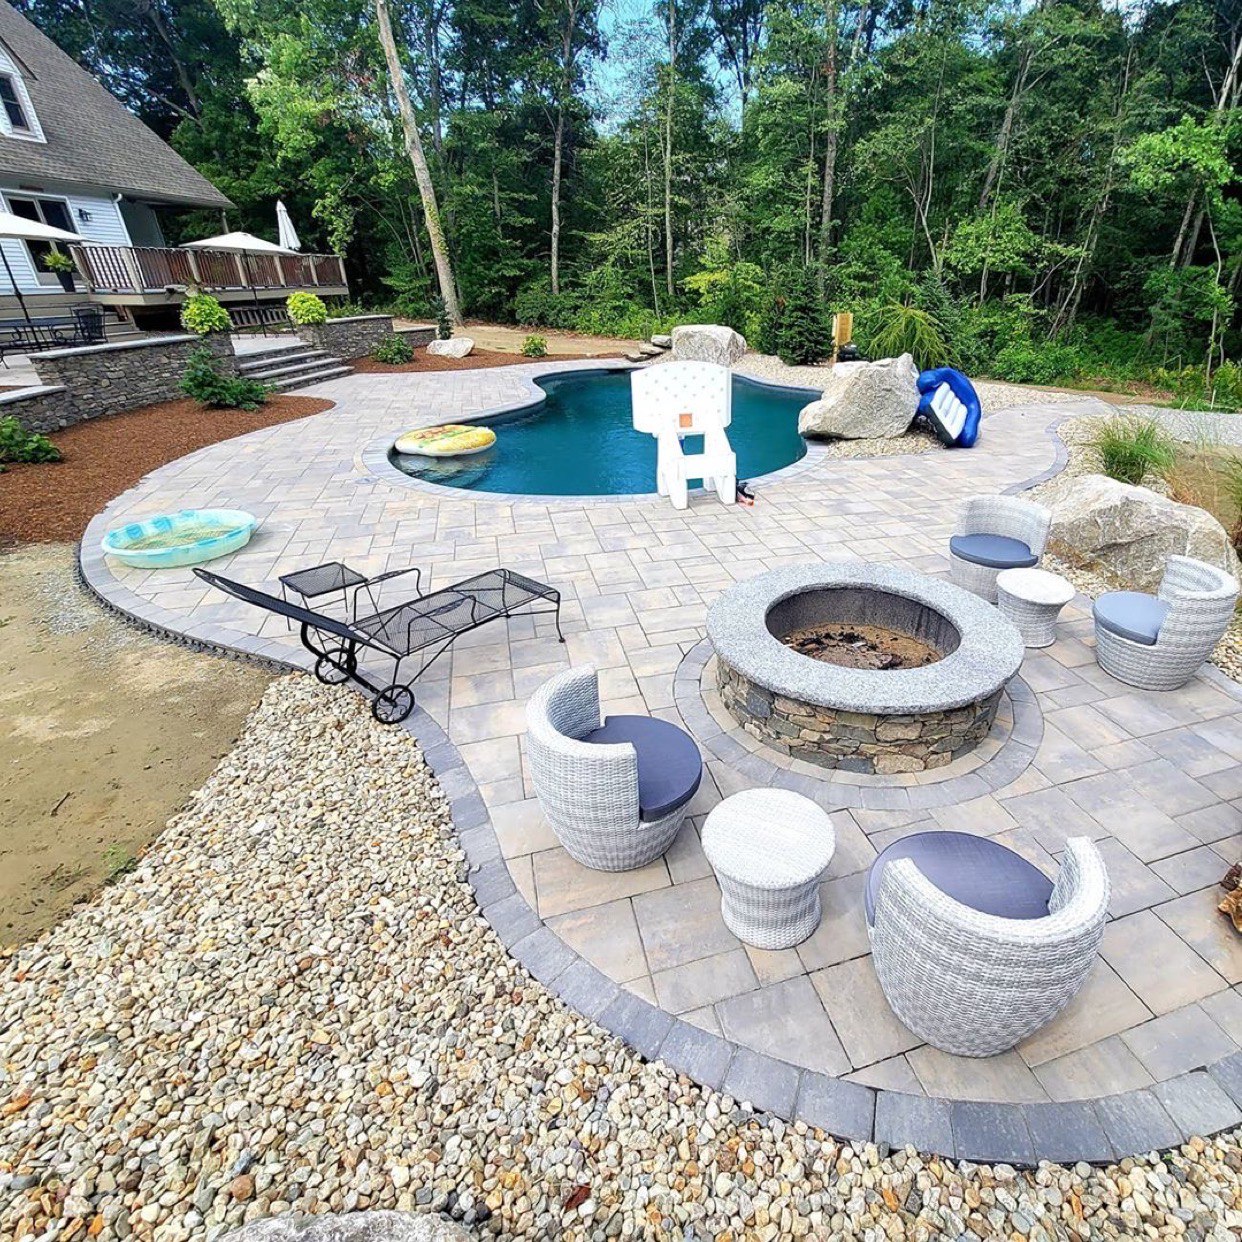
(241, 244)
(28, 230)
(284, 228)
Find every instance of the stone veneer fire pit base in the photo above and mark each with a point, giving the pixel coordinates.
(882, 721)
(854, 741)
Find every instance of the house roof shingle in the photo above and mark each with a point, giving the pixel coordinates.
(92, 138)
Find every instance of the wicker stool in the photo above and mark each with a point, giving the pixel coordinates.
(769, 848)
(1032, 599)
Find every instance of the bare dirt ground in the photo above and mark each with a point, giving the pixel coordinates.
(103, 733)
(506, 339)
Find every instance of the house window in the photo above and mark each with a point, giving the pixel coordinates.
(53, 211)
(13, 104)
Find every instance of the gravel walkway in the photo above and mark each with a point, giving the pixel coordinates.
(293, 1004)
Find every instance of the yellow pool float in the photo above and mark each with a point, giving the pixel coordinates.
(450, 440)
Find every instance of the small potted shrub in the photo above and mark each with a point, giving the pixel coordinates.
(535, 347)
(306, 308)
(202, 315)
(63, 266)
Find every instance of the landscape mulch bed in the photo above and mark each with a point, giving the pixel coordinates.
(53, 503)
(476, 360)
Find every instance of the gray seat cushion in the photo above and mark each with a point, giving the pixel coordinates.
(1132, 615)
(994, 551)
(669, 765)
(973, 870)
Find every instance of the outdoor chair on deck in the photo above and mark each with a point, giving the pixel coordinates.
(995, 533)
(424, 625)
(1159, 642)
(975, 948)
(679, 399)
(614, 793)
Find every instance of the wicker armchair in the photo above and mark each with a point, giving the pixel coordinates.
(1016, 530)
(595, 783)
(1177, 630)
(975, 984)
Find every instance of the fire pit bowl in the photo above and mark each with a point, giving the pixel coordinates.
(864, 667)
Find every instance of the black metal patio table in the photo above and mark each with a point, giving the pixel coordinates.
(426, 625)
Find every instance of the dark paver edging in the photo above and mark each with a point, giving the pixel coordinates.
(1202, 1103)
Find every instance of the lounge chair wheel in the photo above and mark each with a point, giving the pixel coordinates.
(393, 704)
(335, 666)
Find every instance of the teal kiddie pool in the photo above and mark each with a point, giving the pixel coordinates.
(186, 538)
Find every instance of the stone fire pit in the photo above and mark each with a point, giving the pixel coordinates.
(862, 719)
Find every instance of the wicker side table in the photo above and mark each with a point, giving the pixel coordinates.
(1032, 599)
(769, 849)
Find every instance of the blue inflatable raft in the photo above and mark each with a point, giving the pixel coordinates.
(951, 405)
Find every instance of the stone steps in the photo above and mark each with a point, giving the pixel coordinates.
(292, 366)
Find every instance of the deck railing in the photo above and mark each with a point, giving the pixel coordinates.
(153, 269)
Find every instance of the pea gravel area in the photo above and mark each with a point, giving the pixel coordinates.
(293, 1004)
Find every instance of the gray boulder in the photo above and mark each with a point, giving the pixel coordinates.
(454, 347)
(864, 401)
(662, 340)
(354, 1227)
(1130, 532)
(708, 342)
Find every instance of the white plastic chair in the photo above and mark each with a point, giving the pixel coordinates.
(678, 399)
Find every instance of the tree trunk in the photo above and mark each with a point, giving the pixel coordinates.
(558, 145)
(418, 160)
(557, 148)
(830, 144)
(668, 148)
(1000, 151)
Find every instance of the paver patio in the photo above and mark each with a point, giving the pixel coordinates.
(1154, 778)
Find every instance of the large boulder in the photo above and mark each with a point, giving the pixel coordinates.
(379, 1226)
(708, 342)
(864, 401)
(1130, 532)
(454, 347)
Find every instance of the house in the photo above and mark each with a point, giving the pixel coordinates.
(74, 157)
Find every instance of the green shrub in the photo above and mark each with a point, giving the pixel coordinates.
(306, 308)
(202, 314)
(796, 323)
(894, 329)
(1132, 448)
(19, 445)
(204, 381)
(1037, 362)
(538, 306)
(535, 347)
(58, 261)
(444, 325)
(1192, 388)
(394, 350)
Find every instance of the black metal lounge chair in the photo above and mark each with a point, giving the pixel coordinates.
(426, 623)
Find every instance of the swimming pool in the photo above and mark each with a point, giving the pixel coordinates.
(580, 441)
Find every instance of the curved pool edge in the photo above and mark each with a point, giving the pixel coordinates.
(374, 458)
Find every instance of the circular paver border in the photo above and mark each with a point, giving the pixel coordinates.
(1094, 1131)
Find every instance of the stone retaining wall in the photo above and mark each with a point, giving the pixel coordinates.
(88, 381)
(854, 741)
(417, 337)
(355, 336)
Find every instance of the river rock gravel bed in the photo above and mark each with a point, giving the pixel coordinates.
(293, 1004)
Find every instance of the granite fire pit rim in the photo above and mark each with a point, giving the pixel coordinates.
(990, 652)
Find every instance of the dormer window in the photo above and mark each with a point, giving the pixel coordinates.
(13, 104)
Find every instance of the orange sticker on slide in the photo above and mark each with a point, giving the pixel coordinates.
(685, 420)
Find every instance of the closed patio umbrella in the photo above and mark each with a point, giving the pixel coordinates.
(284, 228)
(28, 230)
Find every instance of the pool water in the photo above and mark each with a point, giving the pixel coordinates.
(581, 442)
